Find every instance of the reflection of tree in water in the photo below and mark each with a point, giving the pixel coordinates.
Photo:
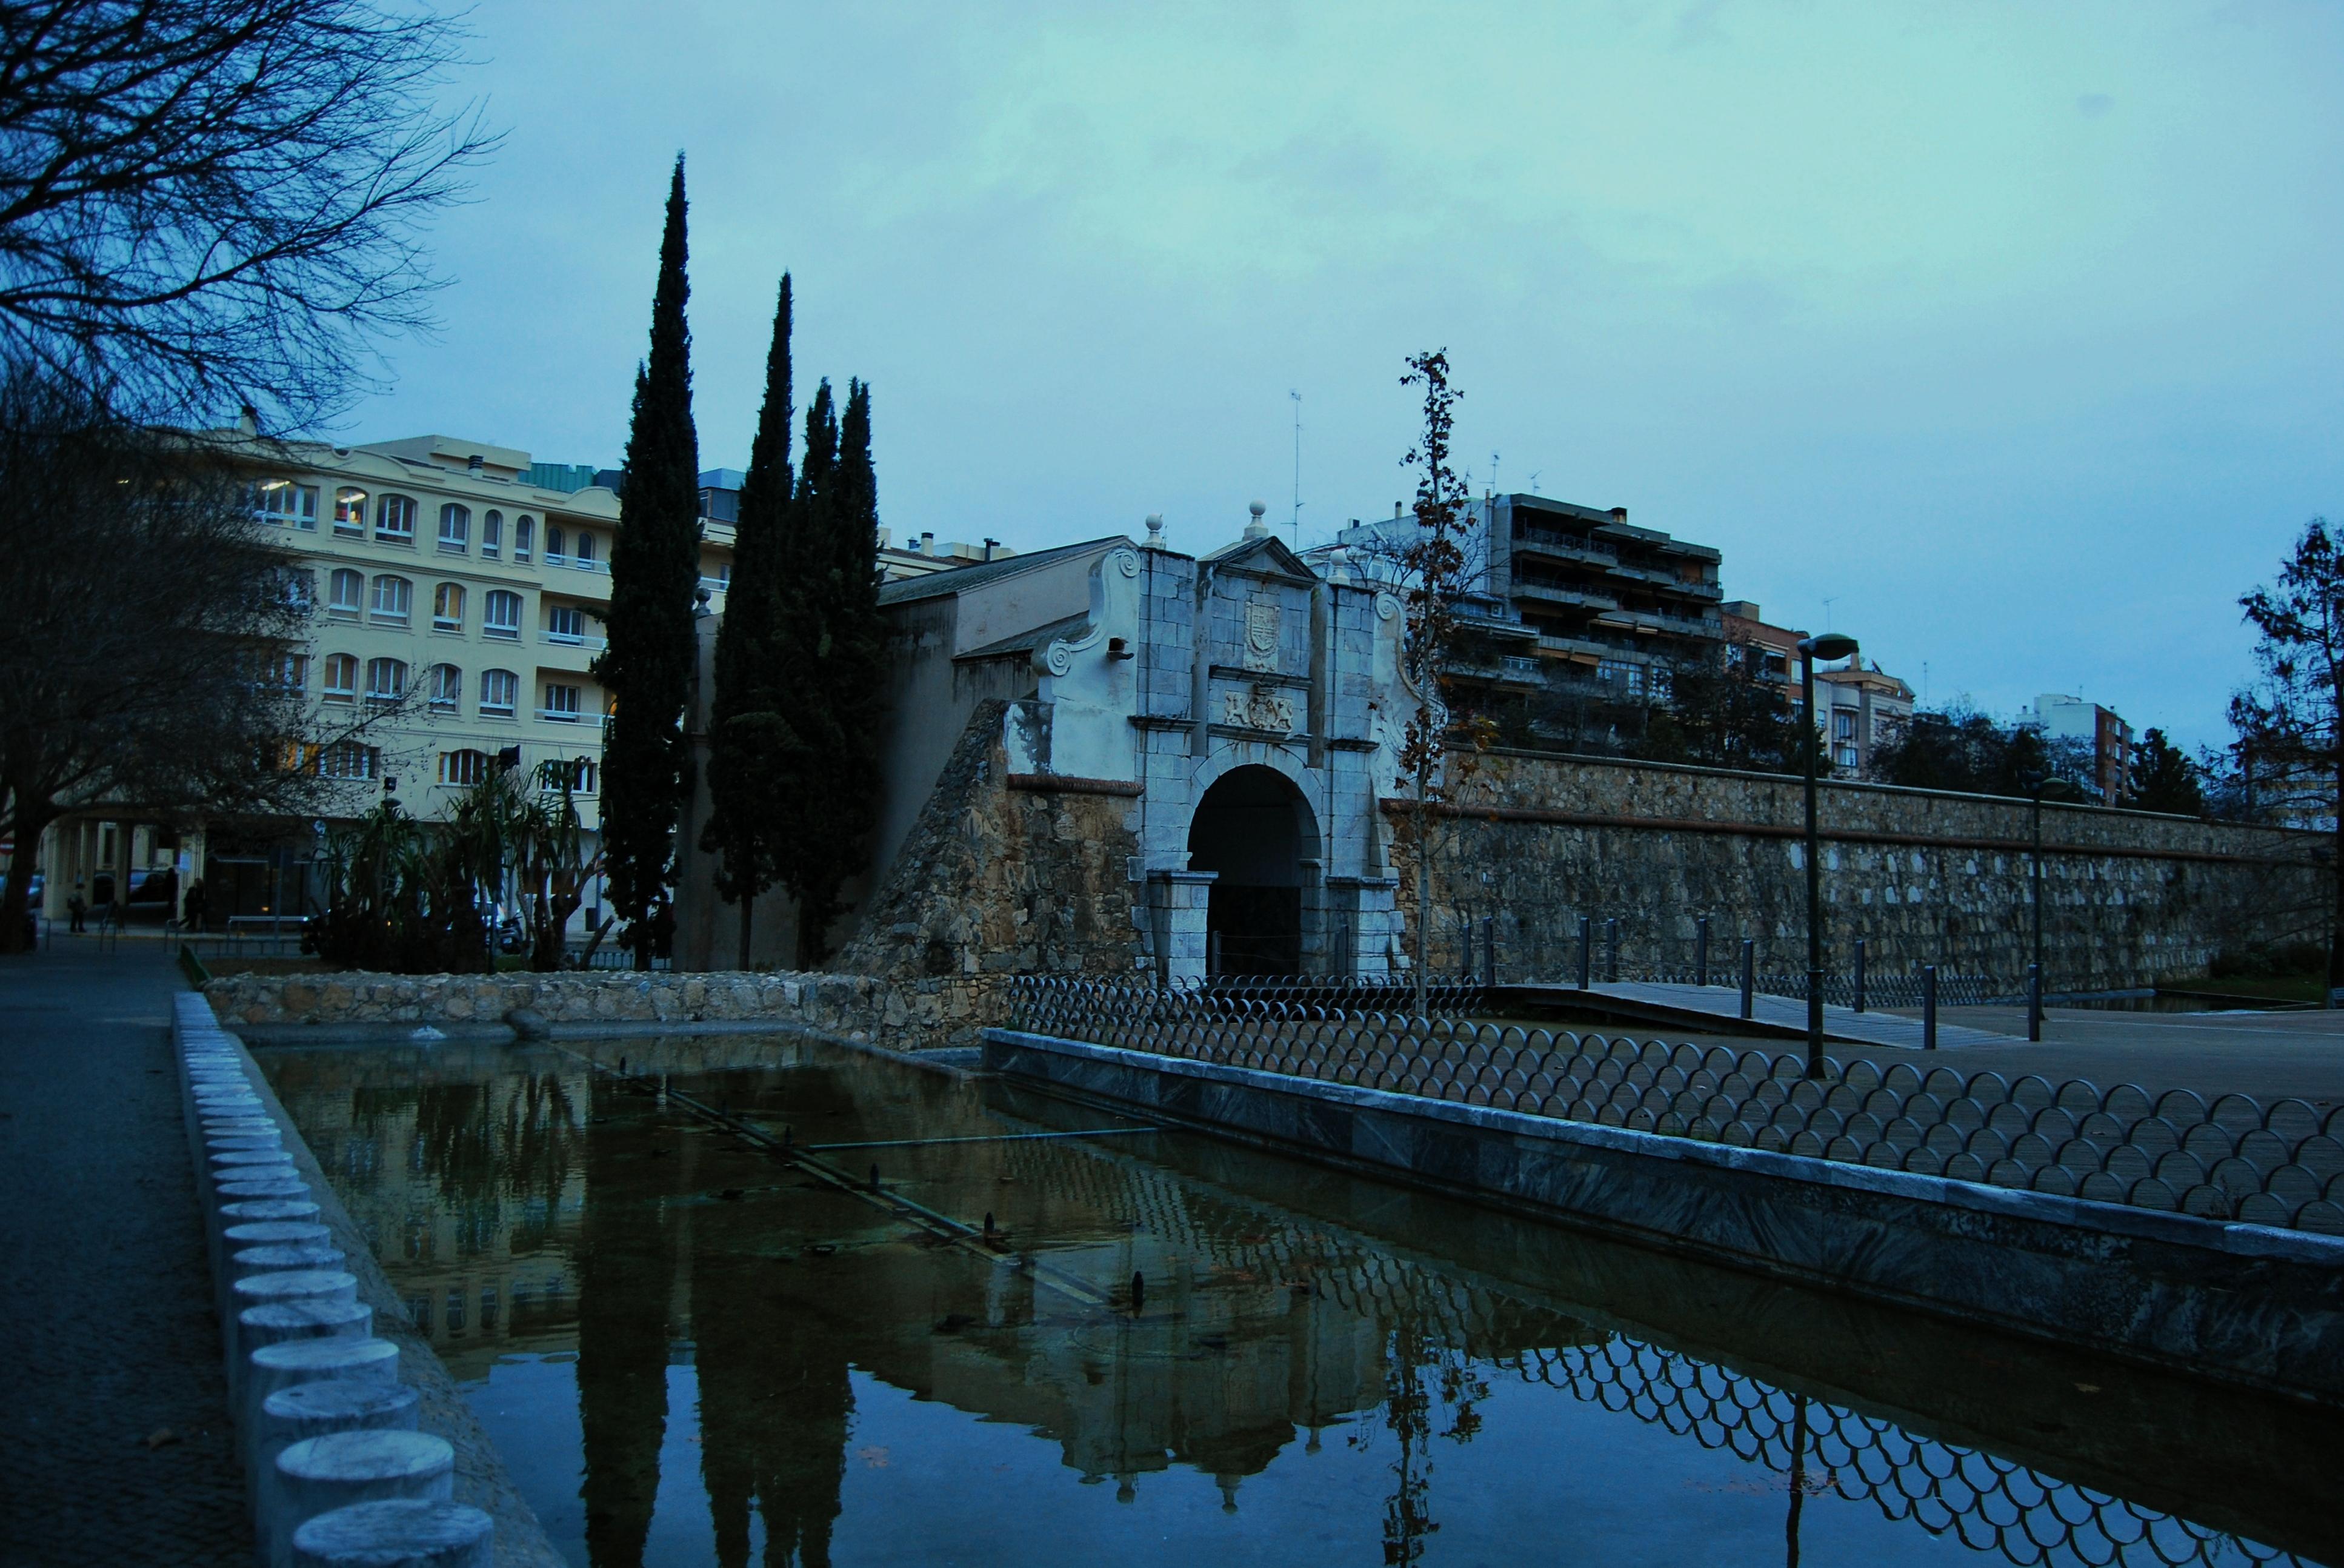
(542, 1130)
(775, 1399)
(1422, 1378)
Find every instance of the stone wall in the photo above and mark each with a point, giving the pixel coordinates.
(856, 1007)
(1924, 877)
(1001, 875)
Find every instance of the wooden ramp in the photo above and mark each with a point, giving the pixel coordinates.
(1716, 1008)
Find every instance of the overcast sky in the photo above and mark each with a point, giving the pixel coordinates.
(2011, 330)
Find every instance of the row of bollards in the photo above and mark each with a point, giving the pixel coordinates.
(338, 1472)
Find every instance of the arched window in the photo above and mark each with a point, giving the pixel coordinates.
(386, 679)
(448, 608)
(555, 545)
(350, 510)
(466, 767)
(394, 519)
(342, 678)
(447, 688)
(500, 615)
(394, 598)
(523, 525)
(492, 534)
(455, 529)
(286, 504)
(585, 557)
(499, 691)
(346, 593)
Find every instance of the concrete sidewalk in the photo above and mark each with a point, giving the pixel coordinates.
(111, 1341)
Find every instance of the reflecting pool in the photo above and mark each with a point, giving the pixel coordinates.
(1053, 1334)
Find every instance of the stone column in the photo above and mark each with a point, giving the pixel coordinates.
(1179, 900)
(1365, 907)
(1316, 939)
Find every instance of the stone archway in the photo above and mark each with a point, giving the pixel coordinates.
(1252, 831)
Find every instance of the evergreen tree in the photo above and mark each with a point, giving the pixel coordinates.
(2165, 779)
(747, 740)
(836, 640)
(647, 667)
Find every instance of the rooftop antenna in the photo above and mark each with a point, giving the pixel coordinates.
(1296, 396)
(1534, 474)
(1827, 604)
(1493, 473)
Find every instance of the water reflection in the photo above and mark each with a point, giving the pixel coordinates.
(526, 1203)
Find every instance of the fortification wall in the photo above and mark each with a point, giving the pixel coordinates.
(2130, 897)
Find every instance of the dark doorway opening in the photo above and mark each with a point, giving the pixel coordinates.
(1252, 831)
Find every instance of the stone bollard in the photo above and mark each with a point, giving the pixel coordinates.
(274, 1187)
(283, 1322)
(275, 1258)
(294, 1362)
(319, 1474)
(227, 1231)
(294, 1285)
(308, 1409)
(399, 1534)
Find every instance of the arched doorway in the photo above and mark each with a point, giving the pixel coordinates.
(1252, 829)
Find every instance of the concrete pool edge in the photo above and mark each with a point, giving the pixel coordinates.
(480, 1476)
(2242, 1304)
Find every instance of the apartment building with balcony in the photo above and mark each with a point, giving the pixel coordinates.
(2101, 728)
(1614, 607)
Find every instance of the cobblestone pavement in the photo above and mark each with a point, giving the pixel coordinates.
(114, 1436)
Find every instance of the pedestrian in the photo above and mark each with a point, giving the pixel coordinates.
(77, 907)
(194, 905)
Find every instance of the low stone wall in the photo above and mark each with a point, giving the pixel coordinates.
(909, 1016)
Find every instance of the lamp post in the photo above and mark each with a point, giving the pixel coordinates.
(1831, 645)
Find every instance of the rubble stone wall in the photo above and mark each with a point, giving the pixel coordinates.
(2130, 897)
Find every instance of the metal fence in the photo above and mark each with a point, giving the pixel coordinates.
(2233, 1159)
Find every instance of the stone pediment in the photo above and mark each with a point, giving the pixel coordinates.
(1263, 557)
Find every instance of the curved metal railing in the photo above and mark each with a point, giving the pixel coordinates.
(2231, 1159)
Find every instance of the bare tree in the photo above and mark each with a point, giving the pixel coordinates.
(148, 631)
(208, 202)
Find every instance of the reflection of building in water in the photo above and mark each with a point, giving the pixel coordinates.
(463, 1176)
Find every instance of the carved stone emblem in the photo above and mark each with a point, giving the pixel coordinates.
(1258, 708)
(1261, 634)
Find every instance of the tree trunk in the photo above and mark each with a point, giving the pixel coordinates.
(2336, 918)
(748, 910)
(1423, 880)
(15, 901)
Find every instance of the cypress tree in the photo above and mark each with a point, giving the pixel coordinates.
(747, 738)
(648, 665)
(837, 641)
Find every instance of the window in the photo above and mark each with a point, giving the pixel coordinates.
(349, 511)
(299, 588)
(522, 526)
(1843, 725)
(724, 577)
(348, 759)
(492, 534)
(581, 773)
(342, 678)
(287, 504)
(554, 545)
(585, 557)
(455, 529)
(394, 519)
(463, 767)
(499, 689)
(448, 608)
(447, 688)
(560, 703)
(386, 679)
(1846, 758)
(345, 592)
(289, 671)
(500, 613)
(565, 623)
(393, 598)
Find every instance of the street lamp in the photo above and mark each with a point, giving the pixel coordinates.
(1831, 645)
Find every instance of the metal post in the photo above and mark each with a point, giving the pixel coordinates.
(1213, 945)
(1700, 950)
(2035, 971)
(1749, 975)
(1859, 974)
(1815, 741)
(1489, 949)
(1465, 953)
(1612, 941)
(1586, 946)
(1928, 1006)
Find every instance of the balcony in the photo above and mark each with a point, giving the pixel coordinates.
(1562, 547)
(559, 715)
(1556, 593)
(574, 639)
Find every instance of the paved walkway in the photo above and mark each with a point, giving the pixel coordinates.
(110, 1341)
(1840, 1023)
